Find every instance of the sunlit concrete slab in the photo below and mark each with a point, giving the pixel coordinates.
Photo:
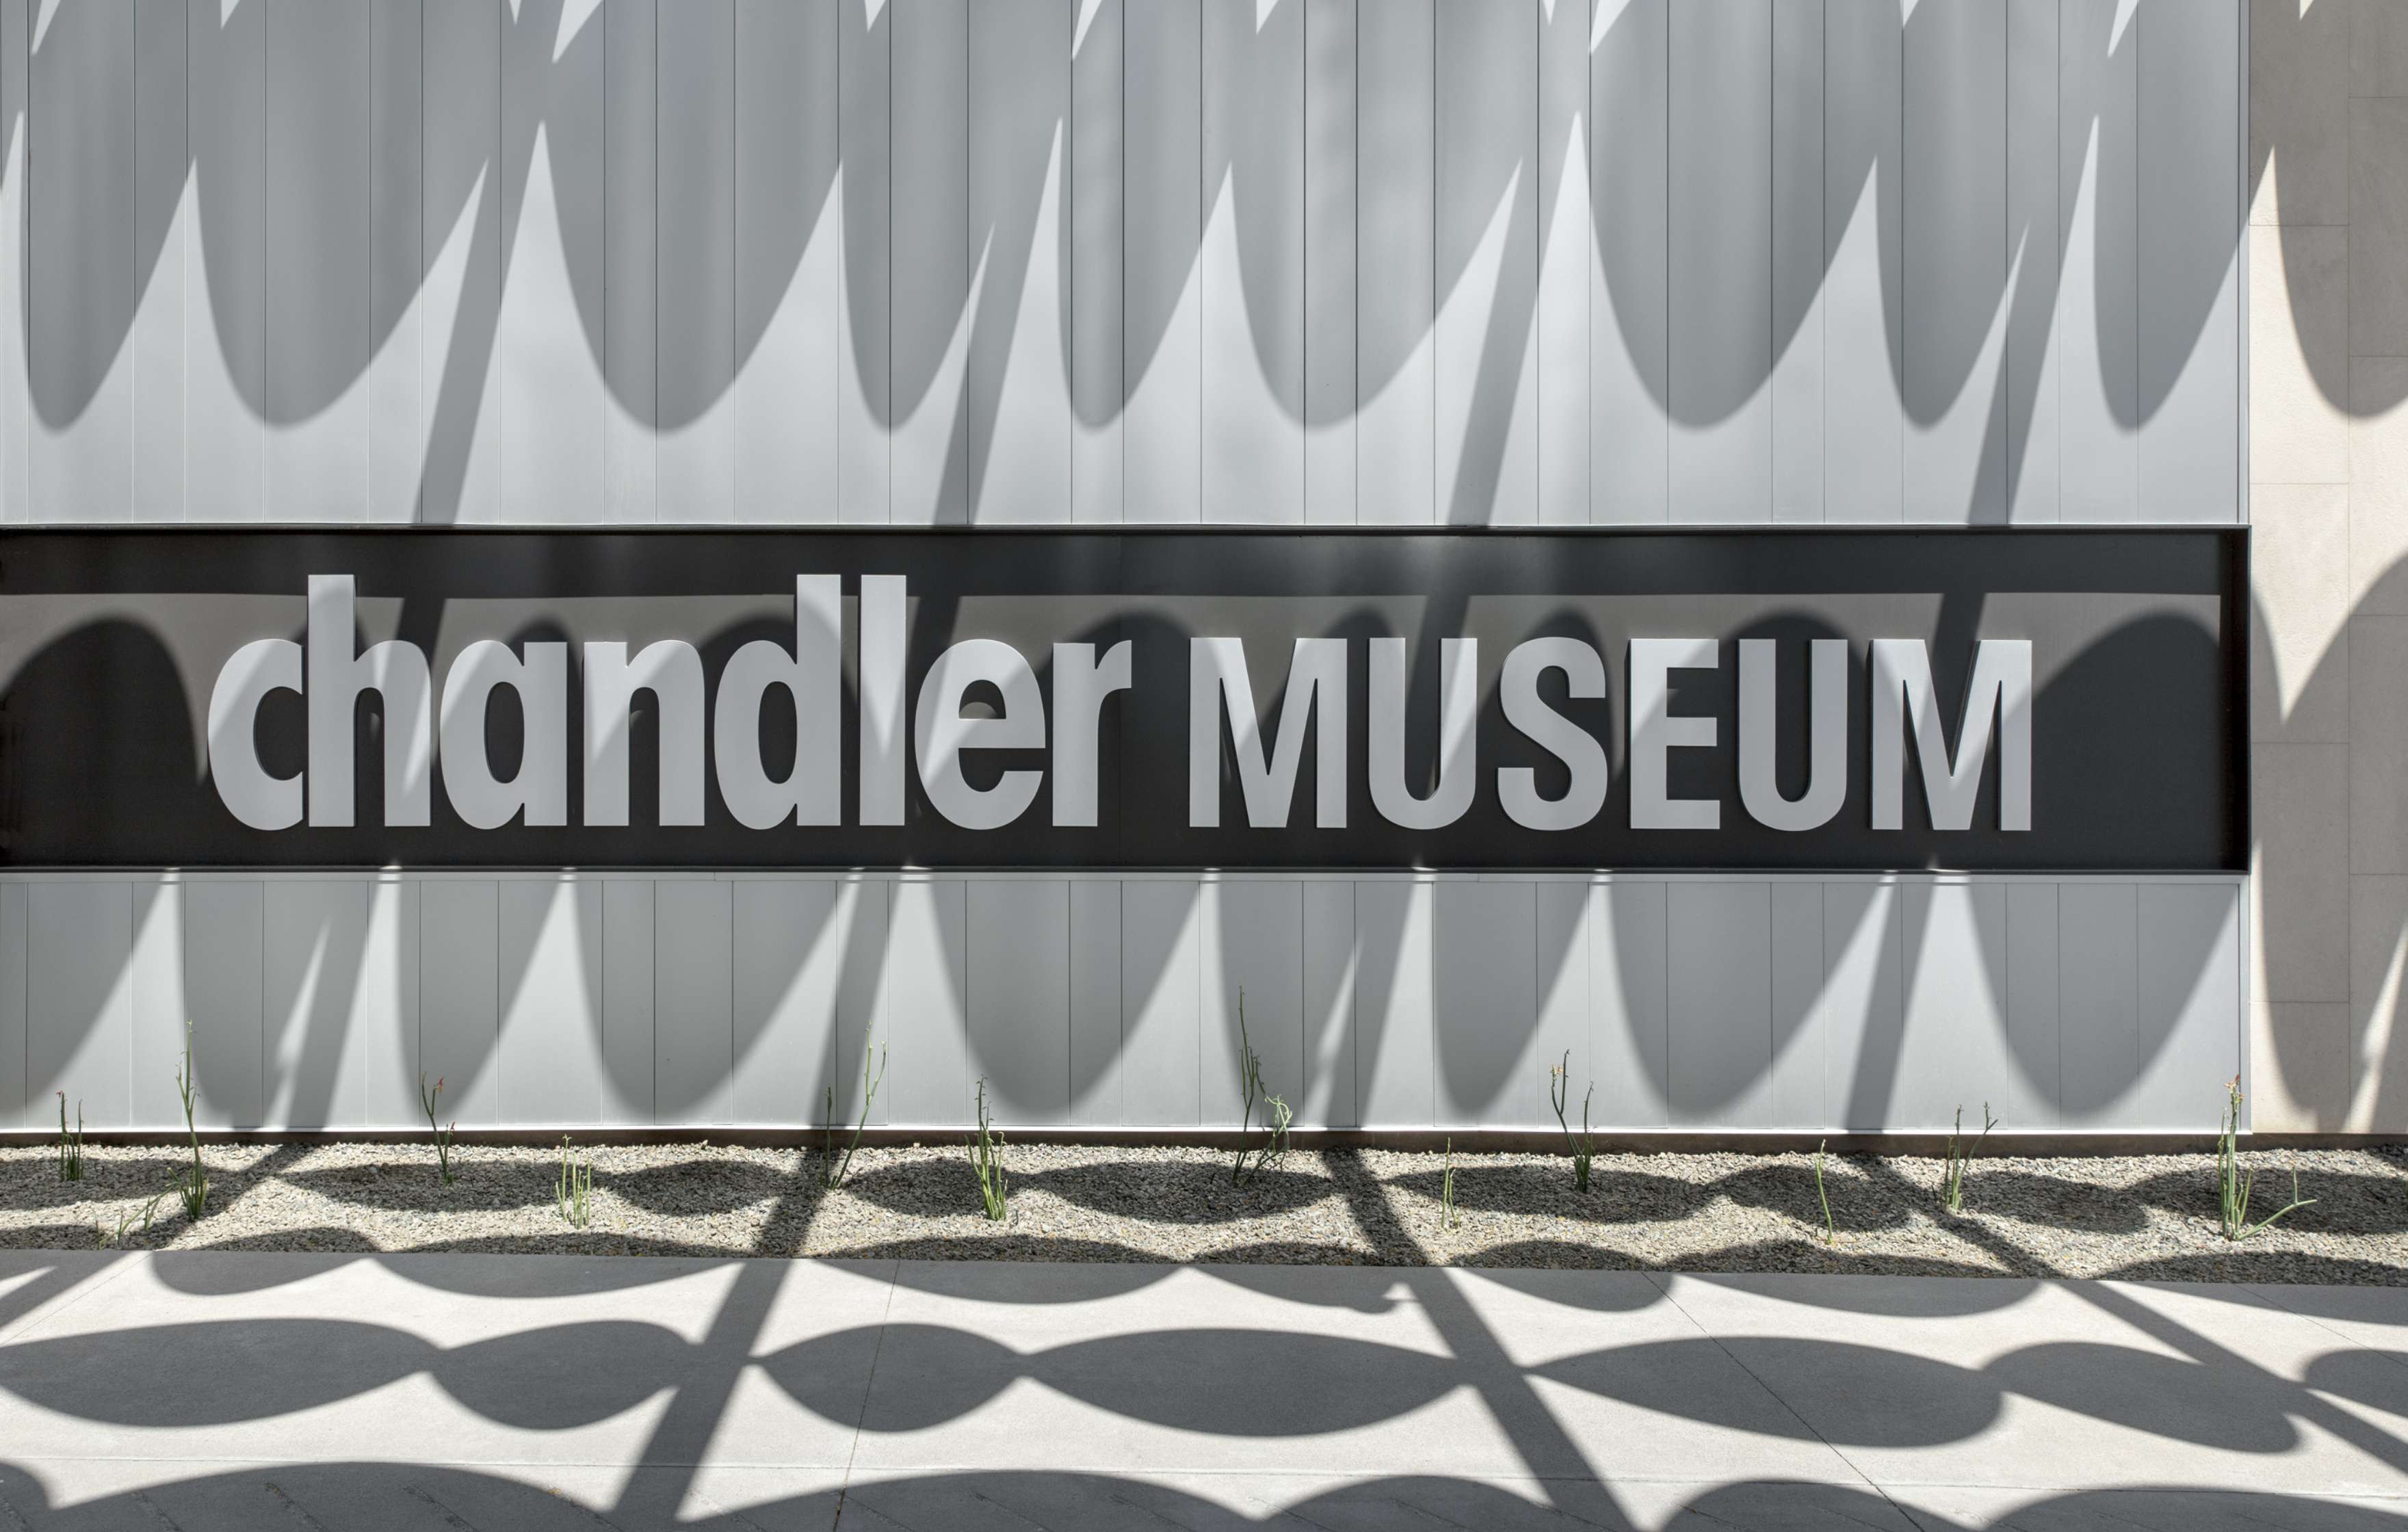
(2054, 1384)
(442, 1391)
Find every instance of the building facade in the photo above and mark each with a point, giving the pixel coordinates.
(1585, 267)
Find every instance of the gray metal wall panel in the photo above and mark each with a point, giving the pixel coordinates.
(155, 1033)
(1097, 200)
(1719, 230)
(1150, 259)
(1797, 198)
(323, 1015)
(82, 255)
(2189, 288)
(2032, 1089)
(1250, 267)
(15, 369)
(79, 1005)
(459, 1018)
(554, 452)
(316, 241)
(921, 993)
(1956, 1043)
(1629, 87)
(1016, 432)
(1566, 268)
(1956, 252)
(787, 955)
(1795, 1080)
(1394, 1019)
(1163, 166)
(1864, 362)
(1161, 1030)
(1094, 1003)
(1485, 987)
(1330, 259)
(864, 132)
(627, 1000)
(1629, 1034)
(1019, 999)
(1798, 1002)
(14, 1111)
(226, 937)
(1395, 274)
(2036, 253)
(630, 307)
(2097, 997)
(1328, 1098)
(155, 347)
(1718, 947)
(695, 254)
(2098, 306)
(1566, 1001)
(789, 261)
(1486, 390)
(2187, 958)
(460, 262)
(1253, 941)
(693, 1026)
(551, 990)
(1864, 1001)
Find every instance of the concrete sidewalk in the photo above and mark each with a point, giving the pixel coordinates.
(494, 1392)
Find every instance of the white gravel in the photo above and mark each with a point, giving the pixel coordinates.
(2152, 1216)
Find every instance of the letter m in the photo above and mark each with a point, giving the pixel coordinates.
(1316, 691)
(2001, 686)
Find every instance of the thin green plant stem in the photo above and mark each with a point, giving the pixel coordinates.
(1250, 1160)
(1446, 1191)
(1952, 1183)
(573, 1193)
(428, 1097)
(1830, 1233)
(193, 1184)
(869, 1083)
(70, 1143)
(1582, 1149)
(986, 1159)
(2233, 1185)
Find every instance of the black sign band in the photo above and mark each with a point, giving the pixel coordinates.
(1829, 700)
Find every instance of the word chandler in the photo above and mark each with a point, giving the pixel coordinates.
(947, 725)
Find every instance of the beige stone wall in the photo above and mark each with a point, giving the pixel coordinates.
(2328, 249)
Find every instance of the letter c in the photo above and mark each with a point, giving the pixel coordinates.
(259, 800)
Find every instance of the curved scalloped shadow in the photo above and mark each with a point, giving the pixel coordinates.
(1102, 1271)
(928, 1374)
(565, 1375)
(1230, 1382)
(1857, 1204)
(1574, 1289)
(2234, 1409)
(1969, 1293)
(1614, 1197)
(1266, 1191)
(1865, 1395)
(2054, 1202)
(187, 1377)
(484, 1188)
(722, 1186)
(327, 1492)
(2378, 1380)
(2345, 1202)
(549, 1275)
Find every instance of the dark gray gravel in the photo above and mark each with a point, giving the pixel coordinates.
(2152, 1216)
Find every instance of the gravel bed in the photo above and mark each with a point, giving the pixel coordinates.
(2147, 1216)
